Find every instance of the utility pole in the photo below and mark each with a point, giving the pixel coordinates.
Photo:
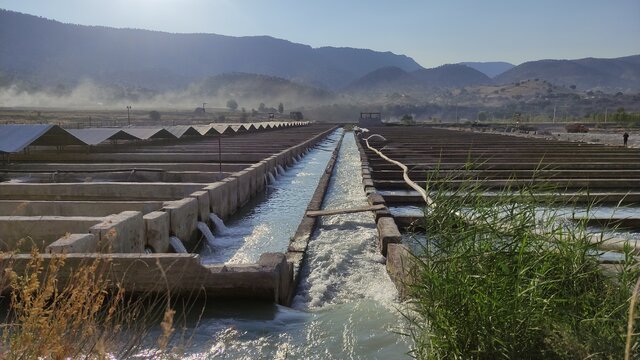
(554, 114)
(128, 115)
(203, 104)
(605, 114)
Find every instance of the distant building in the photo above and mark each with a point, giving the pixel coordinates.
(370, 119)
(296, 115)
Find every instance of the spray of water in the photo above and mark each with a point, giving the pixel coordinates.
(204, 230)
(218, 225)
(177, 245)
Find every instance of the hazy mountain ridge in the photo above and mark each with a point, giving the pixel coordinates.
(489, 68)
(609, 75)
(396, 79)
(46, 51)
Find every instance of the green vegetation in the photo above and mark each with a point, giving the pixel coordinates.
(499, 278)
(232, 105)
(154, 115)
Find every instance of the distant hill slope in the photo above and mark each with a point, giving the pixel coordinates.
(490, 68)
(46, 51)
(609, 75)
(255, 88)
(396, 79)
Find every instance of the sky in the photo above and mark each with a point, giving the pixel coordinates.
(432, 32)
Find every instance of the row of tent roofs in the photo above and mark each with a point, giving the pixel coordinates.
(15, 138)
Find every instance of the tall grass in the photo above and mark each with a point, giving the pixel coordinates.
(498, 278)
(51, 313)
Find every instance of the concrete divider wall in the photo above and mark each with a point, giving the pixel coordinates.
(20, 233)
(183, 219)
(97, 191)
(389, 237)
(73, 208)
(74, 243)
(156, 229)
(268, 280)
(204, 208)
(218, 199)
(121, 233)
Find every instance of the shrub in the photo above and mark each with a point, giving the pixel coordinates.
(499, 278)
(88, 316)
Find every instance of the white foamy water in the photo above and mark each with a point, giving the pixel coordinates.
(218, 225)
(206, 232)
(269, 221)
(346, 305)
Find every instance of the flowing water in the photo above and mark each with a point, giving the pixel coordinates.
(345, 307)
(206, 232)
(218, 225)
(177, 244)
(269, 220)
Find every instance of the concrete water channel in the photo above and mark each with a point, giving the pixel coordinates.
(138, 204)
(603, 179)
(324, 285)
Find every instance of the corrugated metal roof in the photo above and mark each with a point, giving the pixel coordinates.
(149, 133)
(14, 138)
(96, 136)
(183, 130)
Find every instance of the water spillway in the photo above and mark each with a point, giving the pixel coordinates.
(346, 305)
(138, 203)
(267, 223)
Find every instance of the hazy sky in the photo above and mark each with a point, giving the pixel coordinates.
(432, 32)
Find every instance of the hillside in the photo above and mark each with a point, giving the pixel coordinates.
(392, 79)
(491, 68)
(608, 75)
(42, 51)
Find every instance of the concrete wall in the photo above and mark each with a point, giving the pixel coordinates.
(20, 233)
(97, 191)
(183, 219)
(121, 233)
(73, 208)
(269, 279)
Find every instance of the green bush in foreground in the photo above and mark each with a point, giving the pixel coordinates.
(513, 282)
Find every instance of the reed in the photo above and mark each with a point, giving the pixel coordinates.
(503, 277)
(87, 316)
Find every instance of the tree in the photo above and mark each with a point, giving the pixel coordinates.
(232, 104)
(482, 116)
(407, 119)
(280, 108)
(154, 115)
(243, 116)
(262, 107)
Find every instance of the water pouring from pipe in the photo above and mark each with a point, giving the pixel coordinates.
(218, 225)
(177, 245)
(206, 232)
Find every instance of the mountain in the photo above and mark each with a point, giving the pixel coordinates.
(48, 52)
(385, 76)
(608, 75)
(451, 76)
(491, 68)
(396, 79)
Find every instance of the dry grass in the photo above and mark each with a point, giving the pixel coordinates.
(87, 316)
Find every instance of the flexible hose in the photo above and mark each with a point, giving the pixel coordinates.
(405, 170)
